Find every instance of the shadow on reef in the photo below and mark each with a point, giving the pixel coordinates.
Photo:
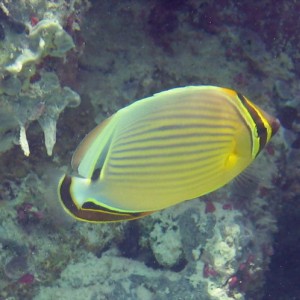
(130, 248)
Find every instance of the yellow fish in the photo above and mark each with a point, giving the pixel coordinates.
(174, 146)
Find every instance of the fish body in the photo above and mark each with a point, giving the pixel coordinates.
(159, 151)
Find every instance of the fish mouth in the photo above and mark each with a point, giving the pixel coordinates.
(273, 122)
(275, 125)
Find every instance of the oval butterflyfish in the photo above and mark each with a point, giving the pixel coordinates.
(162, 150)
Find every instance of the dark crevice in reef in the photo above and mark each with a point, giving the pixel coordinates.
(284, 273)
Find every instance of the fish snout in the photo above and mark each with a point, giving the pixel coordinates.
(273, 122)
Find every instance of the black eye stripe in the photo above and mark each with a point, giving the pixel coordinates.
(262, 132)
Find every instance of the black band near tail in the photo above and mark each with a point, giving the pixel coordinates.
(90, 211)
(65, 195)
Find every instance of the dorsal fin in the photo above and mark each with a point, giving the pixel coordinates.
(90, 146)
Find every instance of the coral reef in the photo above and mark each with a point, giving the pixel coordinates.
(43, 100)
(28, 39)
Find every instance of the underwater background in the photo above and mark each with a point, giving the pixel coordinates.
(65, 66)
